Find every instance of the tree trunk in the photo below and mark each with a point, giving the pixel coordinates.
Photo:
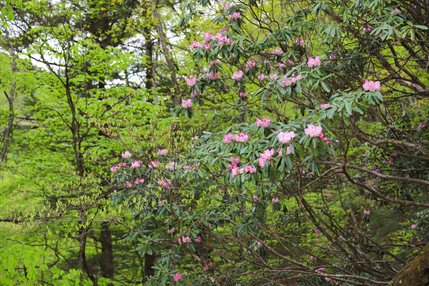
(415, 272)
(106, 260)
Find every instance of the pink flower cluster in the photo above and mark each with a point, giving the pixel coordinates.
(138, 181)
(153, 164)
(237, 75)
(230, 137)
(313, 131)
(263, 157)
(366, 29)
(280, 65)
(292, 80)
(277, 52)
(214, 76)
(314, 62)
(235, 15)
(261, 77)
(178, 276)
(250, 64)
(191, 81)
(235, 170)
(164, 183)
(280, 151)
(372, 86)
(196, 45)
(126, 154)
(274, 77)
(286, 137)
(265, 122)
(260, 244)
(325, 105)
(194, 94)
(162, 151)
(243, 94)
(395, 11)
(186, 103)
(299, 42)
(275, 200)
(365, 212)
(208, 266)
(136, 164)
(184, 239)
(227, 6)
(214, 62)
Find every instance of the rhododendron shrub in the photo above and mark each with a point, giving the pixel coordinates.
(292, 197)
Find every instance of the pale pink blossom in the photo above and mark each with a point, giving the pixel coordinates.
(275, 200)
(260, 244)
(365, 212)
(237, 74)
(280, 65)
(171, 230)
(328, 279)
(126, 154)
(274, 77)
(235, 171)
(186, 103)
(234, 160)
(162, 151)
(322, 269)
(241, 138)
(366, 29)
(207, 46)
(277, 52)
(214, 62)
(194, 94)
(414, 226)
(255, 198)
(178, 276)
(299, 42)
(265, 122)
(314, 62)
(325, 105)
(171, 166)
(198, 239)
(250, 64)
(214, 76)
(208, 36)
(164, 183)
(228, 138)
(421, 126)
(235, 15)
(136, 164)
(396, 11)
(122, 164)
(196, 45)
(129, 184)
(114, 169)
(372, 86)
(191, 81)
(243, 94)
(153, 164)
(227, 6)
(313, 131)
(267, 155)
(261, 77)
(138, 181)
(286, 137)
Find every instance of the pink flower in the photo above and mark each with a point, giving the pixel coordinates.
(317, 230)
(186, 239)
(255, 198)
(214, 76)
(280, 65)
(275, 200)
(234, 161)
(241, 138)
(214, 62)
(325, 105)
(129, 184)
(314, 62)
(396, 11)
(265, 122)
(208, 36)
(250, 64)
(191, 81)
(198, 239)
(122, 164)
(261, 77)
(235, 15)
(414, 226)
(178, 276)
(286, 137)
(235, 171)
(274, 77)
(114, 169)
(366, 30)
(243, 94)
(196, 45)
(260, 244)
(186, 103)
(322, 269)
(194, 94)
(138, 181)
(313, 131)
(421, 126)
(372, 86)
(311, 257)
(365, 212)
(171, 230)
(227, 6)
(328, 279)
(299, 42)
(162, 151)
(228, 138)
(267, 155)
(153, 164)
(136, 164)
(277, 52)
(126, 154)
(237, 74)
